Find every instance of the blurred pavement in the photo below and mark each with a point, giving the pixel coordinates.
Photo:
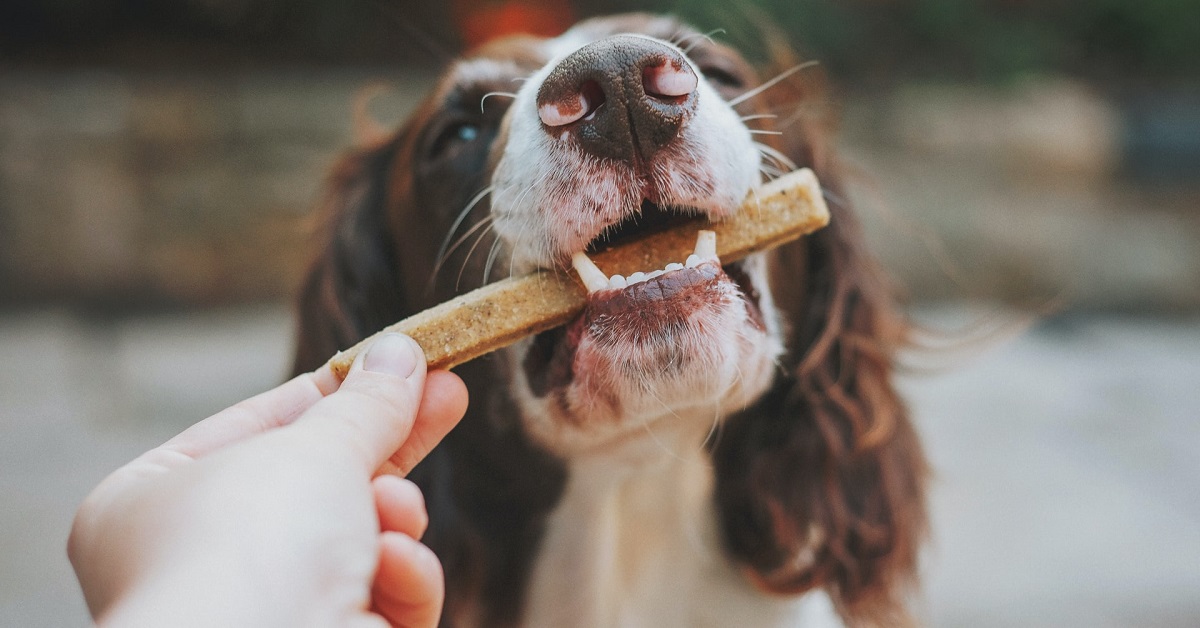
(1068, 459)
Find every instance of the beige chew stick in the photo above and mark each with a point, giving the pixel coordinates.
(501, 313)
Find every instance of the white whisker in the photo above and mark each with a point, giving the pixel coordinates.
(775, 154)
(457, 223)
(470, 252)
(771, 83)
(517, 203)
(486, 221)
(484, 98)
(703, 36)
(771, 173)
(487, 267)
(833, 198)
(800, 111)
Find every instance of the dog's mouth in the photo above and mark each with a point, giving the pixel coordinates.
(651, 218)
(652, 287)
(664, 312)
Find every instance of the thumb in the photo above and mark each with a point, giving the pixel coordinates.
(372, 412)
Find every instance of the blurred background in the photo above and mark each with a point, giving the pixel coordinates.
(1029, 171)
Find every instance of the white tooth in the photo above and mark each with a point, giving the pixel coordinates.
(673, 266)
(653, 274)
(706, 245)
(637, 277)
(692, 261)
(617, 282)
(591, 275)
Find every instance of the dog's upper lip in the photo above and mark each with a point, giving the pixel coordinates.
(649, 217)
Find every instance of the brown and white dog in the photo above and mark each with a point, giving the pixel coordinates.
(709, 446)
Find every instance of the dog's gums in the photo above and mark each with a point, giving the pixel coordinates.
(594, 280)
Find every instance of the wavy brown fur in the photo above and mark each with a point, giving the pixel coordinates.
(821, 483)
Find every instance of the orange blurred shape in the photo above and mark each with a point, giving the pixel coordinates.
(480, 21)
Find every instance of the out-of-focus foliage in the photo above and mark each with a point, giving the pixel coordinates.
(988, 39)
(220, 31)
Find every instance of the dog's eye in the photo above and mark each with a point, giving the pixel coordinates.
(467, 132)
(454, 135)
(720, 77)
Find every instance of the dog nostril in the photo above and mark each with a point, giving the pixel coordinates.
(670, 79)
(593, 95)
(582, 105)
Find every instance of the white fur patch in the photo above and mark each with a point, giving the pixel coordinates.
(633, 543)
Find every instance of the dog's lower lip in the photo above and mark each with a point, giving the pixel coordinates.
(662, 286)
(550, 360)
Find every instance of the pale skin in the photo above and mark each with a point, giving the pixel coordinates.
(273, 512)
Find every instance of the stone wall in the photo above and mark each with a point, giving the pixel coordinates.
(1028, 193)
(120, 188)
(163, 188)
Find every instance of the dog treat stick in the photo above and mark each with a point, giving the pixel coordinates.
(503, 312)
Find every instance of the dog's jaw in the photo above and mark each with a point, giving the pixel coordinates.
(692, 355)
(700, 346)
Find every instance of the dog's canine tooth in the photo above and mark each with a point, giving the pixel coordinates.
(589, 273)
(706, 245)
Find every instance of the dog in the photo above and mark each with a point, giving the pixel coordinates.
(716, 448)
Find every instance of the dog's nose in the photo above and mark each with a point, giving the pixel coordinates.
(623, 97)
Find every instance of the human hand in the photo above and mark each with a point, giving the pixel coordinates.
(270, 512)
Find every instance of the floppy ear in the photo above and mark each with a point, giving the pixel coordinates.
(820, 484)
(353, 287)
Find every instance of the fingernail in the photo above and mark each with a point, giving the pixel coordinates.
(394, 354)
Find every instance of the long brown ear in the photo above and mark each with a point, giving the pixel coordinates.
(820, 484)
(353, 287)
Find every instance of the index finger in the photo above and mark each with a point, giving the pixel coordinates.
(372, 414)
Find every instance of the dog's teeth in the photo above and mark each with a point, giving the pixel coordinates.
(637, 277)
(706, 245)
(653, 274)
(692, 261)
(592, 276)
(617, 282)
(673, 266)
